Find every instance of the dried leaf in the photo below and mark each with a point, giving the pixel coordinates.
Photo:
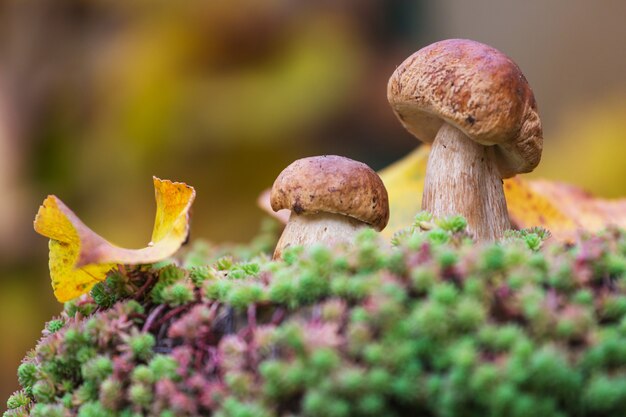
(582, 210)
(528, 208)
(79, 257)
(264, 204)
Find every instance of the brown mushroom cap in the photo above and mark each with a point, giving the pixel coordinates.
(475, 88)
(332, 184)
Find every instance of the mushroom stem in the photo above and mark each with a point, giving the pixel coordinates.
(309, 229)
(462, 178)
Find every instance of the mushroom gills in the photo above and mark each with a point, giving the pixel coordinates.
(462, 178)
(314, 228)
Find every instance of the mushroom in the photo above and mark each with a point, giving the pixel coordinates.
(331, 198)
(474, 105)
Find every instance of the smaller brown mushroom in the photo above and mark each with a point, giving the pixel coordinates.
(331, 198)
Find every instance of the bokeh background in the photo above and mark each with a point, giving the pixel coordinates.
(98, 96)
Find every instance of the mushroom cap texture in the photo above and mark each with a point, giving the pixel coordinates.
(475, 88)
(332, 184)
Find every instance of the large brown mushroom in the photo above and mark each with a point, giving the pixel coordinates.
(331, 198)
(474, 105)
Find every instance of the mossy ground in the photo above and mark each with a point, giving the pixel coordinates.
(433, 325)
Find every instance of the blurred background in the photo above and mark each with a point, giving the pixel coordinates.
(98, 96)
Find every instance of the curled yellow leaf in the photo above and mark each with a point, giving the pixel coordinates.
(79, 257)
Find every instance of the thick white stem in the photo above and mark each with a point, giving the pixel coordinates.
(462, 178)
(310, 229)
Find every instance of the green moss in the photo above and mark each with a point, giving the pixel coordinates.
(140, 395)
(163, 367)
(97, 368)
(94, 409)
(111, 393)
(177, 294)
(27, 375)
(17, 400)
(115, 287)
(55, 325)
(141, 345)
(435, 325)
(43, 391)
(48, 410)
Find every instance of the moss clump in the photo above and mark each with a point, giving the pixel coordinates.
(435, 325)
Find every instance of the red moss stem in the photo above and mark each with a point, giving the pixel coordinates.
(172, 313)
(153, 315)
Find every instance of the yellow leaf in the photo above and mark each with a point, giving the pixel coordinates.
(566, 209)
(404, 180)
(528, 208)
(79, 257)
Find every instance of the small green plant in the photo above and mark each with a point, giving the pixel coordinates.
(435, 325)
